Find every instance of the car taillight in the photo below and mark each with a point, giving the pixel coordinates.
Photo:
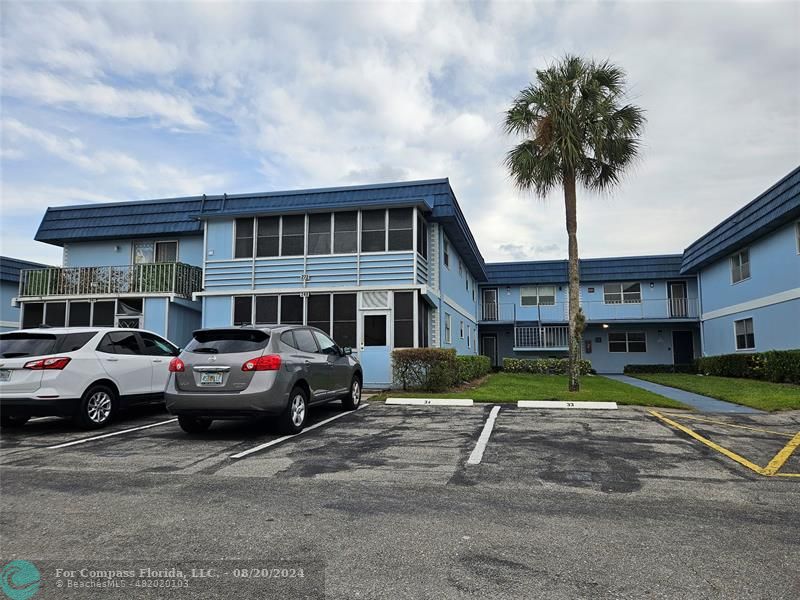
(176, 365)
(48, 363)
(270, 362)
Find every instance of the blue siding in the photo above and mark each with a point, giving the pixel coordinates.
(9, 315)
(110, 253)
(659, 346)
(219, 239)
(776, 327)
(190, 250)
(183, 320)
(217, 311)
(456, 301)
(155, 315)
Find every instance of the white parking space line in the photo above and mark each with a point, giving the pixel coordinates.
(562, 404)
(108, 435)
(477, 452)
(287, 437)
(431, 401)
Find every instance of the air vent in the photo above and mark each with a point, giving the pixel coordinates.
(375, 299)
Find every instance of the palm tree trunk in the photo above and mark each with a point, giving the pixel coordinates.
(570, 202)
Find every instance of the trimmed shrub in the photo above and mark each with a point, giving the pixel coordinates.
(544, 366)
(778, 366)
(473, 367)
(426, 369)
(660, 369)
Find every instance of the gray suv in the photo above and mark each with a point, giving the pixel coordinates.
(236, 372)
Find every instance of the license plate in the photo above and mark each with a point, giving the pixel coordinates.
(211, 378)
(5, 374)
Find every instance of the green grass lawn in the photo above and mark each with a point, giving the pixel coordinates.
(763, 395)
(510, 387)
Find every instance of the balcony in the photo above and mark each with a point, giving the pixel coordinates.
(179, 279)
(595, 310)
(542, 337)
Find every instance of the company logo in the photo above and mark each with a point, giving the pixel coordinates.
(212, 358)
(20, 579)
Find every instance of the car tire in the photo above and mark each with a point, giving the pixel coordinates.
(97, 408)
(194, 424)
(293, 418)
(353, 398)
(10, 421)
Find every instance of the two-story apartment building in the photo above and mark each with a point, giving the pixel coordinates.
(395, 265)
(638, 310)
(9, 286)
(748, 269)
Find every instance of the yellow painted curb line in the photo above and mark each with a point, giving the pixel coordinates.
(769, 471)
(726, 424)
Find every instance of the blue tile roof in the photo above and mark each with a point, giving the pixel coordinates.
(775, 207)
(10, 268)
(183, 216)
(628, 268)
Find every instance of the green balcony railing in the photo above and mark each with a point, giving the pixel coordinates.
(150, 278)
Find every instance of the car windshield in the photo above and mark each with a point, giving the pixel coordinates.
(227, 341)
(15, 345)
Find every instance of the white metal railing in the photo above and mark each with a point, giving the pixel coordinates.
(150, 278)
(542, 336)
(598, 310)
(492, 311)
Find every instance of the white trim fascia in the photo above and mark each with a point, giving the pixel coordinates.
(464, 312)
(784, 296)
(309, 290)
(90, 297)
(14, 324)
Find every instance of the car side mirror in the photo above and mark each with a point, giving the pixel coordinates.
(347, 351)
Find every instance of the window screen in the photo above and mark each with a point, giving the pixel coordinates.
(344, 319)
(103, 313)
(266, 309)
(268, 236)
(166, 252)
(319, 234)
(422, 237)
(345, 232)
(294, 235)
(242, 310)
(292, 310)
(79, 314)
(404, 319)
(401, 229)
(373, 231)
(319, 312)
(244, 238)
(32, 315)
(55, 314)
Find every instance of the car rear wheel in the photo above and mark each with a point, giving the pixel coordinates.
(97, 408)
(9, 421)
(294, 417)
(194, 424)
(353, 398)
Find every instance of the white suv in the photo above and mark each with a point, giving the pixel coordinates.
(87, 373)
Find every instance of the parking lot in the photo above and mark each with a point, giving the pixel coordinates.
(383, 502)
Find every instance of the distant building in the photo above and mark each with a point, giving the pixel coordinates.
(9, 286)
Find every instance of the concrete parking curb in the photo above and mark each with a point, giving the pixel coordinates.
(562, 404)
(431, 401)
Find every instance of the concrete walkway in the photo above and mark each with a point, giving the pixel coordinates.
(701, 403)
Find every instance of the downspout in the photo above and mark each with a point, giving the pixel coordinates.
(700, 315)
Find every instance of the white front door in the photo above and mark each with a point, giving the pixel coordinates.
(489, 308)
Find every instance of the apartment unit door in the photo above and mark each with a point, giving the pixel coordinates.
(375, 348)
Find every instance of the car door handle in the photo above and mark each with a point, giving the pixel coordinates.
(157, 360)
(112, 359)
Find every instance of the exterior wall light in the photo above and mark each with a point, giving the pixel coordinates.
(605, 325)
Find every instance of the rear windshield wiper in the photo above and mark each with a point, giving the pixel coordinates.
(206, 350)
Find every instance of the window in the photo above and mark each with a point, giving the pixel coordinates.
(619, 293)
(103, 313)
(166, 252)
(266, 309)
(243, 245)
(373, 231)
(627, 341)
(143, 252)
(466, 283)
(319, 234)
(155, 346)
(345, 232)
(80, 314)
(740, 266)
(422, 237)
(469, 336)
(228, 341)
(120, 342)
(319, 312)
(404, 319)
(268, 240)
(305, 340)
(401, 229)
(541, 295)
(242, 310)
(344, 320)
(293, 237)
(448, 333)
(446, 254)
(55, 314)
(422, 322)
(745, 337)
(292, 310)
(287, 337)
(375, 330)
(797, 235)
(460, 267)
(32, 314)
(326, 344)
(461, 330)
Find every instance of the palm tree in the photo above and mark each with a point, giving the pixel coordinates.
(576, 128)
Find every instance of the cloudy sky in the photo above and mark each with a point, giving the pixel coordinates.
(124, 101)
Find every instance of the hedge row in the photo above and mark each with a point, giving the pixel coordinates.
(691, 368)
(779, 366)
(544, 366)
(435, 369)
